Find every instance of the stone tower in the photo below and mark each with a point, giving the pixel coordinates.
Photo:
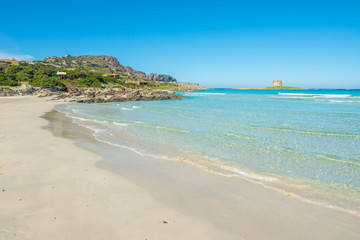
(277, 83)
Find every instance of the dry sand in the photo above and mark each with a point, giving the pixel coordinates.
(50, 188)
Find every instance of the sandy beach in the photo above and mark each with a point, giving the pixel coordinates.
(57, 182)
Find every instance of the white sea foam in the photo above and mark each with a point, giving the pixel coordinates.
(127, 109)
(335, 95)
(339, 101)
(245, 174)
(99, 121)
(121, 124)
(69, 115)
(81, 122)
(158, 156)
(316, 95)
(78, 118)
(92, 128)
(236, 171)
(294, 94)
(139, 122)
(336, 101)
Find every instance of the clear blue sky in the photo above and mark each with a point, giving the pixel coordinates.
(216, 43)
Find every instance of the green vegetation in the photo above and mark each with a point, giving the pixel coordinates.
(40, 75)
(164, 86)
(284, 88)
(36, 75)
(42, 81)
(83, 63)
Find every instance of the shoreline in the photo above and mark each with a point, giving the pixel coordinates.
(51, 188)
(134, 194)
(280, 184)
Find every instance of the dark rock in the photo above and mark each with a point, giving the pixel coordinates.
(16, 91)
(92, 95)
(160, 77)
(6, 92)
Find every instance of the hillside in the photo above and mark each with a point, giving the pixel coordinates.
(90, 81)
(103, 64)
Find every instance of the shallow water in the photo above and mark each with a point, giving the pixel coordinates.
(306, 143)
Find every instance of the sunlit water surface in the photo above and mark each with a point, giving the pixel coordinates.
(302, 143)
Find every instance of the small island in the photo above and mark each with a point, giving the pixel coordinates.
(277, 85)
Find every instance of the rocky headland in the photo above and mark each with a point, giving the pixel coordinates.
(103, 64)
(93, 95)
(186, 86)
(86, 79)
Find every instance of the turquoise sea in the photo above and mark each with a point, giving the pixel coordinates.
(302, 143)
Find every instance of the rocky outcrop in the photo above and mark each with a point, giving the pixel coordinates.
(6, 92)
(16, 91)
(160, 77)
(186, 86)
(104, 64)
(91, 95)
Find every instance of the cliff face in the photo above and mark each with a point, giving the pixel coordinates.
(160, 77)
(104, 64)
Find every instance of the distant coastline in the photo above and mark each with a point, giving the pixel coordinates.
(277, 85)
(273, 88)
